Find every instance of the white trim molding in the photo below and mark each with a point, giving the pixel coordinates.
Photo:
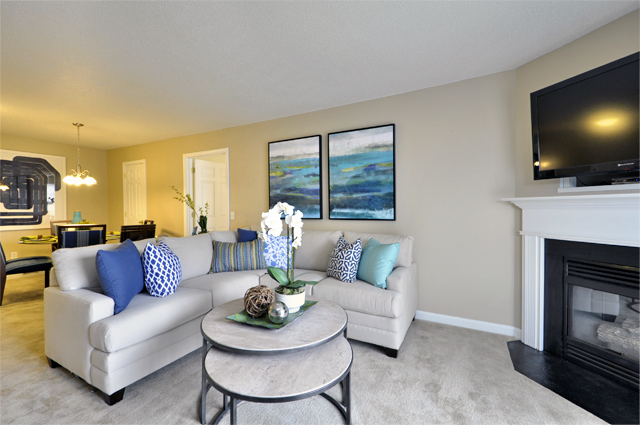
(612, 219)
(461, 322)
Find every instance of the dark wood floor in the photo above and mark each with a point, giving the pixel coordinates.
(608, 400)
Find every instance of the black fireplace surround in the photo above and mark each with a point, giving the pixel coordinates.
(591, 307)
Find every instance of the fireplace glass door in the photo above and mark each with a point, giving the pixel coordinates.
(605, 320)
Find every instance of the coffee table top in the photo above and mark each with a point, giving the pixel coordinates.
(317, 326)
(284, 377)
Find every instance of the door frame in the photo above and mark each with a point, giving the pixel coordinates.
(124, 185)
(187, 182)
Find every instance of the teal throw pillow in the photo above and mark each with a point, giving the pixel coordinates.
(232, 257)
(377, 261)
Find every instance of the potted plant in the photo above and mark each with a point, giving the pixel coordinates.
(291, 290)
(202, 219)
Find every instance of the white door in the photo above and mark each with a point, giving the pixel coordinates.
(135, 191)
(210, 184)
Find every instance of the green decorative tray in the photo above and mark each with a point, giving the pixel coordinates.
(264, 321)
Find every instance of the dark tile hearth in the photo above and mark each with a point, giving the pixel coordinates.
(608, 400)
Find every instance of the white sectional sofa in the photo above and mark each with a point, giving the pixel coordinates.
(111, 351)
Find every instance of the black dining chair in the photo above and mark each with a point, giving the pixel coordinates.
(23, 265)
(137, 232)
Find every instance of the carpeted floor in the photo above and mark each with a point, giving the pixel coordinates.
(444, 375)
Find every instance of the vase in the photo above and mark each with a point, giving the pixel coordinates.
(293, 302)
(203, 224)
(77, 217)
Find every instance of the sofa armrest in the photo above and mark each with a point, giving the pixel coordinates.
(404, 280)
(67, 317)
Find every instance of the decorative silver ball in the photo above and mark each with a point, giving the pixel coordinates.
(278, 312)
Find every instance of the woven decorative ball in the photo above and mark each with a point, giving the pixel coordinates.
(257, 300)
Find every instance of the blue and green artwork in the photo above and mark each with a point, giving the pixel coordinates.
(295, 174)
(362, 174)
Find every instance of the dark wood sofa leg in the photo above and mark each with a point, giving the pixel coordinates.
(52, 364)
(113, 398)
(390, 352)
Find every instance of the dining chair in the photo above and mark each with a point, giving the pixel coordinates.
(137, 232)
(54, 225)
(77, 235)
(148, 222)
(23, 265)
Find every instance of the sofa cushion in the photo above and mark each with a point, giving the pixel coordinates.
(231, 257)
(162, 270)
(344, 260)
(195, 253)
(360, 296)
(76, 267)
(405, 256)
(224, 287)
(376, 262)
(146, 317)
(315, 250)
(120, 274)
(224, 236)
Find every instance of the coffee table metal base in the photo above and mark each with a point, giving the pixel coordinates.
(231, 398)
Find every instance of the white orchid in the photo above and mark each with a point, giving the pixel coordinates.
(271, 225)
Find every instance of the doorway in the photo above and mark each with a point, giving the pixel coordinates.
(135, 191)
(206, 179)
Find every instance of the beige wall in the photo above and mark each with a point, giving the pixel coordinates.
(454, 155)
(90, 200)
(618, 39)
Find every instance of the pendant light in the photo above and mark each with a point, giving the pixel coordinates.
(3, 185)
(78, 177)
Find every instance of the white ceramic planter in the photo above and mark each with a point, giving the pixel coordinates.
(293, 302)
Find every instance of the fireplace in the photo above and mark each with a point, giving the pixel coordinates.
(591, 300)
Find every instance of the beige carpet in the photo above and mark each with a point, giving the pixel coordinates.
(444, 375)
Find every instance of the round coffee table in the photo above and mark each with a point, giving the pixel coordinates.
(250, 363)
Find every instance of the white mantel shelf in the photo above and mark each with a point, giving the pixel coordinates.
(611, 219)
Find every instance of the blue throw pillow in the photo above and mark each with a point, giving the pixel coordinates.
(275, 252)
(377, 261)
(247, 235)
(162, 270)
(120, 274)
(343, 263)
(231, 257)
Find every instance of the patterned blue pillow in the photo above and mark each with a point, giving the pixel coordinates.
(232, 257)
(343, 263)
(162, 270)
(275, 252)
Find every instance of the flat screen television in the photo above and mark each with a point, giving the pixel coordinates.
(588, 127)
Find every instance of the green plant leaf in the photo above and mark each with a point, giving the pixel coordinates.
(278, 275)
(300, 283)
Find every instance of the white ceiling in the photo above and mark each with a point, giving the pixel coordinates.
(136, 72)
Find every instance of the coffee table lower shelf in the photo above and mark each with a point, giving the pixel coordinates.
(277, 378)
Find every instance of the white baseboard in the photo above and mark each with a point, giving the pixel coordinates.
(477, 325)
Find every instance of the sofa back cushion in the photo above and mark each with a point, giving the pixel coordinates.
(195, 253)
(76, 267)
(224, 236)
(315, 250)
(405, 255)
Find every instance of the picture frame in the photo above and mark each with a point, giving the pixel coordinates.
(362, 178)
(295, 174)
(36, 194)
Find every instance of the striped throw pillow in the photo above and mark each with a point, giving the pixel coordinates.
(233, 257)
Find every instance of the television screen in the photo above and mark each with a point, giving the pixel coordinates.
(588, 124)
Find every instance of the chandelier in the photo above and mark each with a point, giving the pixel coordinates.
(78, 177)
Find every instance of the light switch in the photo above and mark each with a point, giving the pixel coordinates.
(233, 215)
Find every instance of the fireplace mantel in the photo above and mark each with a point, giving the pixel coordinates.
(612, 219)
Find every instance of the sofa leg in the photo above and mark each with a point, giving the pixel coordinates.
(390, 352)
(113, 398)
(52, 364)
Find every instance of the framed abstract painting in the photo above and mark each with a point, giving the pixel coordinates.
(362, 183)
(295, 174)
